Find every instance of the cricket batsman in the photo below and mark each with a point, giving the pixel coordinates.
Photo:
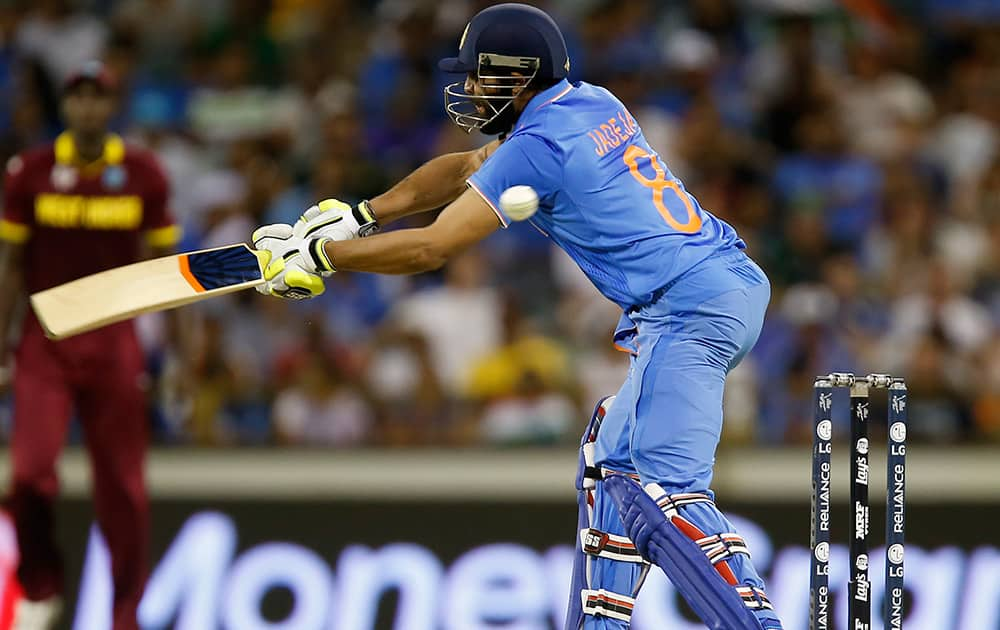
(693, 304)
(84, 204)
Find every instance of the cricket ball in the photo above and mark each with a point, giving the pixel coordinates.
(519, 202)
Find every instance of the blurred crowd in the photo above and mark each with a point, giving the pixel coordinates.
(855, 146)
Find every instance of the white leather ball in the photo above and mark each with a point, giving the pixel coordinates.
(519, 202)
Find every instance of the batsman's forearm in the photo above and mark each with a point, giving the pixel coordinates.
(399, 252)
(433, 185)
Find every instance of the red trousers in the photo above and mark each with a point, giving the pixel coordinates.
(101, 376)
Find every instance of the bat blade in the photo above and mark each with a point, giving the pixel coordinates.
(144, 287)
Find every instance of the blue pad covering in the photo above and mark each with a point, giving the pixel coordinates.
(714, 600)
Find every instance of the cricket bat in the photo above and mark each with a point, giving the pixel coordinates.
(144, 287)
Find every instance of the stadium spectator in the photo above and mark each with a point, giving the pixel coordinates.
(319, 408)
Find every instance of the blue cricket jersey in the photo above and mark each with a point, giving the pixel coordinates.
(606, 197)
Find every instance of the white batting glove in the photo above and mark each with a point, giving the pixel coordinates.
(337, 221)
(297, 259)
(332, 220)
(287, 273)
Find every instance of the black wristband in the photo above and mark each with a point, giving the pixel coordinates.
(317, 251)
(365, 216)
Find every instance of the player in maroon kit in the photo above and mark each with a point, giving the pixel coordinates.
(86, 203)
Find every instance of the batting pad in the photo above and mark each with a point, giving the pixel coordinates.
(722, 603)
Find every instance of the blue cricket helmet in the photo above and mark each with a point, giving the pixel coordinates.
(515, 30)
(507, 47)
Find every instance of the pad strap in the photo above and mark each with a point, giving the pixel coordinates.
(605, 472)
(754, 598)
(669, 503)
(719, 547)
(591, 473)
(607, 604)
(594, 542)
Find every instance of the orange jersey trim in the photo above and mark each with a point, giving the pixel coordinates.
(621, 348)
(557, 96)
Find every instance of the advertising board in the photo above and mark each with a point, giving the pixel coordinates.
(400, 565)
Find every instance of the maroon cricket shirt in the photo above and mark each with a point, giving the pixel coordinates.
(76, 218)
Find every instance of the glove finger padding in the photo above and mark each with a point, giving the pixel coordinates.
(302, 284)
(276, 265)
(323, 207)
(271, 243)
(287, 279)
(267, 236)
(323, 215)
(264, 256)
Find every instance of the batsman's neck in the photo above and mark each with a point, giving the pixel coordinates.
(523, 98)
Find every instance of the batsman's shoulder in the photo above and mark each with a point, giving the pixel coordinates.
(535, 140)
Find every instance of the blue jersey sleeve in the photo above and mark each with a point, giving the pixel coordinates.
(522, 160)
